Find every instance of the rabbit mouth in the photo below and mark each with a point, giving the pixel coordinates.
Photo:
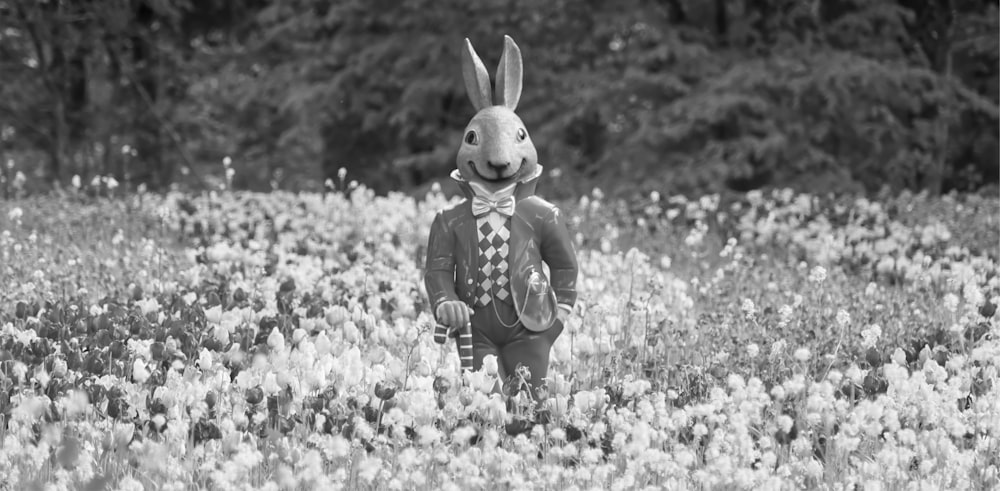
(499, 173)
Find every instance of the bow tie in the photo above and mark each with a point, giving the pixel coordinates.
(482, 206)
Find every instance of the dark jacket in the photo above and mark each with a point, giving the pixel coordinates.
(538, 234)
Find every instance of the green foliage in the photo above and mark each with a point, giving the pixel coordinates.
(821, 121)
(818, 98)
(682, 95)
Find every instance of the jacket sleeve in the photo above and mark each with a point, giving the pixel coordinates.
(439, 274)
(559, 255)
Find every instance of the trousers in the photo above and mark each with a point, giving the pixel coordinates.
(497, 331)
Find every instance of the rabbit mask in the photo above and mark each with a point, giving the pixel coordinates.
(496, 149)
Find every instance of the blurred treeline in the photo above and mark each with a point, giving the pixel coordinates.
(675, 95)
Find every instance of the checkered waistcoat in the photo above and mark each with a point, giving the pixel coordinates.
(537, 234)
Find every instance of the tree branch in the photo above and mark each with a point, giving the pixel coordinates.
(21, 122)
(151, 105)
(36, 41)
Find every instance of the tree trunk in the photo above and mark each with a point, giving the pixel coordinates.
(146, 165)
(76, 94)
(59, 137)
(38, 20)
(935, 181)
(721, 22)
(73, 72)
(931, 27)
(677, 13)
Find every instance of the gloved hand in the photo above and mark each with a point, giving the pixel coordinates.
(453, 313)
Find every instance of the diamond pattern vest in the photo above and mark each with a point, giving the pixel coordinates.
(494, 249)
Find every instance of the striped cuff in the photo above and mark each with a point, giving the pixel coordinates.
(465, 347)
(440, 333)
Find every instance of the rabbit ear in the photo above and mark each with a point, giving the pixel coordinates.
(509, 73)
(477, 80)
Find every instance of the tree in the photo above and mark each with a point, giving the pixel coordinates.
(678, 95)
(93, 83)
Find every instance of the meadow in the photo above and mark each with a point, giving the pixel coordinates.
(282, 341)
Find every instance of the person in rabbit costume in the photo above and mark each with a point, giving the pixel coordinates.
(484, 272)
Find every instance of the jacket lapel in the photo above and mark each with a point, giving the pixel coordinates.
(470, 237)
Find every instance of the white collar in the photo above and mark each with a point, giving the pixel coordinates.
(497, 195)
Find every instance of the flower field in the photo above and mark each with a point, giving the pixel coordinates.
(283, 341)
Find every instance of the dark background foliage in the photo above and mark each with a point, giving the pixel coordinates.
(675, 95)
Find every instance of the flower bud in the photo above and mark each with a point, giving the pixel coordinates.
(465, 396)
(385, 390)
(255, 395)
(441, 384)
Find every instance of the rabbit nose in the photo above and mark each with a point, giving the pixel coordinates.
(498, 165)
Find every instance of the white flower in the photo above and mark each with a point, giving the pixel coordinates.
(797, 300)
(205, 359)
(870, 335)
(139, 371)
(369, 468)
(42, 377)
(785, 314)
(337, 446)
(700, 430)
(899, 357)
(778, 392)
(221, 333)
(276, 340)
(835, 377)
(753, 350)
(59, 367)
(352, 366)
(818, 274)
(721, 357)
(950, 302)
(270, 385)
(214, 314)
(777, 348)
(129, 483)
(785, 423)
(748, 308)
(299, 334)
(802, 354)
(843, 318)
(428, 435)
(148, 305)
(972, 294)
(323, 344)
(855, 374)
(490, 364)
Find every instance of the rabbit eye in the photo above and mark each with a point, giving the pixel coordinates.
(471, 138)
(521, 134)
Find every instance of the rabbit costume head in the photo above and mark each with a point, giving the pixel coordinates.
(496, 148)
